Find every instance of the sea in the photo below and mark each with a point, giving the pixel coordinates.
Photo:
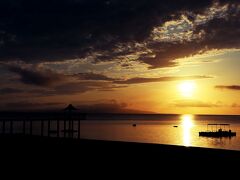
(182, 130)
(171, 129)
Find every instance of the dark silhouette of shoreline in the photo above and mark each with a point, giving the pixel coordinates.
(96, 150)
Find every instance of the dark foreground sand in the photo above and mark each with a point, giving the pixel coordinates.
(95, 159)
(157, 151)
(99, 150)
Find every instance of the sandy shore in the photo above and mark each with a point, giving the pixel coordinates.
(91, 159)
(99, 150)
(158, 151)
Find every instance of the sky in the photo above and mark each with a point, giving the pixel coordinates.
(135, 56)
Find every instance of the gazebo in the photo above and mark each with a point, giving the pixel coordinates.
(70, 108)
(70, 129)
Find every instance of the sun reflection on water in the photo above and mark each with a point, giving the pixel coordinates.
(187, 123)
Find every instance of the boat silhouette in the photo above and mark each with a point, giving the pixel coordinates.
(218, 131)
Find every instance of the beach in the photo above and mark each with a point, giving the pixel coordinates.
(113, 151)
(91, 159)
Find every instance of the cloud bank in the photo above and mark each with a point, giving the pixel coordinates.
(154, 32)
(230, 87)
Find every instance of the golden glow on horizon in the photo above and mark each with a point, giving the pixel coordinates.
(187, 122)
(187, 88)
(171, 97)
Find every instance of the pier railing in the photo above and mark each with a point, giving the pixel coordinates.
(64, 125)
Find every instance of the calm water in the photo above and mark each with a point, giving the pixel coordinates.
(162, 131)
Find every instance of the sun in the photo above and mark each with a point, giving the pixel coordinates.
(187, 88)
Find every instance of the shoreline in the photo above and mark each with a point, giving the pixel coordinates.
(101, 150)
(160, 151)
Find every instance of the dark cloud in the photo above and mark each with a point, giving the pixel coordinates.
(111, 106)
(221, 33)
(36, 76)
(5, 91)
(160, 79)
(52, 83)
(100, 82)
(68, 88)
(92, 76)
(82, 87)
(235, 105)
(27, 105)
(44, 30)
(61, 84)
(231, 87)
(72, 88)
(218, 33)
(166, 52)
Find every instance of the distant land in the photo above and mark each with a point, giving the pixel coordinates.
(100, 108)
(98, 115)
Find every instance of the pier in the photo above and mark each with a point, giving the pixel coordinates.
(65, 124)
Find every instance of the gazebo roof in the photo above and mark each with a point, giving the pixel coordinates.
(70, 107)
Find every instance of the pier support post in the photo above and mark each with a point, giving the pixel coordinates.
(64, 128)
(31, 126)
(49, 127)
(3, 126)
(11, 126)
(42, 127)
(78, 128)
(24, 126)
(57, 128)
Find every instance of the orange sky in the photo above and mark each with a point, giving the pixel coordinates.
(121, 56)
(167, 97)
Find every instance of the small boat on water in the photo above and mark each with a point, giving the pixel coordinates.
(175, 126)
(219, 131)
(134, 125)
